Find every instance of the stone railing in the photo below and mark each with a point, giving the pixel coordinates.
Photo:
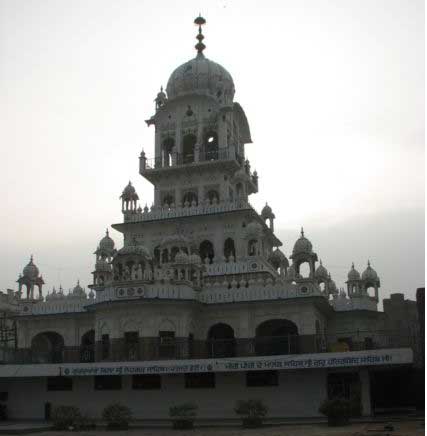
(177, 348)
(199, 155)
(246, 265)
(161, 213)
(60, 305)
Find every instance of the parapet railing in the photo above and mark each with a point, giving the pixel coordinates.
(178, 159)
(166, 212)
(170, 348)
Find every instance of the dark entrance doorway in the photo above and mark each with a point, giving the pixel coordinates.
(221, 341)
(346, 385)
(276, 336)
(393, 390)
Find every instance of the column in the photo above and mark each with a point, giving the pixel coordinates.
(365, 392)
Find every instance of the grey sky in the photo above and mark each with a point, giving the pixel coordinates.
(334, 94)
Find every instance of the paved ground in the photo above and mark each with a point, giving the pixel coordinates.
(404, 428)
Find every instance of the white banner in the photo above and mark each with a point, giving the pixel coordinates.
(284, 362)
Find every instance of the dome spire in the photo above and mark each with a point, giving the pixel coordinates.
(200, 21)
(302, 232)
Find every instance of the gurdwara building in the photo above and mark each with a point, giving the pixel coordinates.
(199, 303)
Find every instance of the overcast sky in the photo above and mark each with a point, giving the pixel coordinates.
(333, 91)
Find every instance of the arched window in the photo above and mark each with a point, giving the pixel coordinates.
(213, 196)
(165, 256)
(47, 347)
(252, 247)
(167, 147)
(370, 290)
(118, 271)
(221, 341)
(276, 336)
(304, 269)
(229, 248)
(211, 145)
(322, 287)
(190, 197)
(131, 345)
(206, 249)
(188, 144)
(87, 347)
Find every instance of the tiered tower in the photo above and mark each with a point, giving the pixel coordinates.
(202, 180)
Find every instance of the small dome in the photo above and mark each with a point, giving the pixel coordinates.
(267, 212)
(78, 290)
(201, 76)
(181, 257)
(369, 273)
(194, 259)
(161, 95)
(277, 258)
(353, 273)
(31, 271)
(106, 242)
(129, 193)
(321, 272)
(302, 245)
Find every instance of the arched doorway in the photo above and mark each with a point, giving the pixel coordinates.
(188, 145)
(167, 148)
(211, 145)
(87, 347)
(47, 347)
(206, 250)
(221, 341)
(276, 336)
(229, 249)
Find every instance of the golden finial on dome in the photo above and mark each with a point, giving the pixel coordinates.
(200, 21)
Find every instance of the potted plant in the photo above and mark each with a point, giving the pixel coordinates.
(65, 417)
(253, 412)
(337, 410)
(183, 415)
(117, 416)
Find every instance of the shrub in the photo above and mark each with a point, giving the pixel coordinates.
(183, 415)
(337, 410)
(65, 417)
(253, 412)
(117, 416)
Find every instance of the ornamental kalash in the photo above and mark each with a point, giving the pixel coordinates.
(199, 304)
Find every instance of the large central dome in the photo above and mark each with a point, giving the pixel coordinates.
(201, 76)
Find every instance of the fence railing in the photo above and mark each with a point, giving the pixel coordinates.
(176, 159)
(153, 348)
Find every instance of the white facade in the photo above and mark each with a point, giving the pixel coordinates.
(200, 272)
